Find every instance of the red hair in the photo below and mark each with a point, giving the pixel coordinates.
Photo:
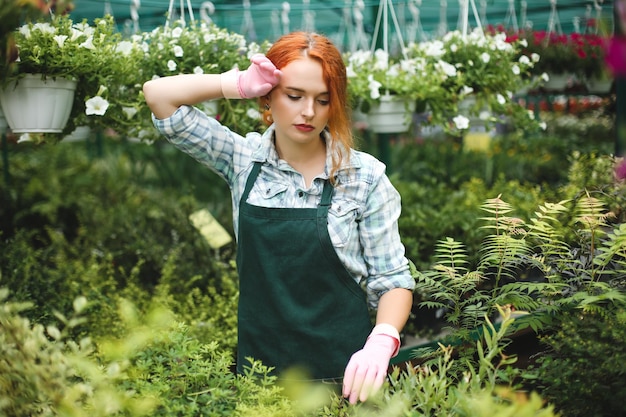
(294, 46)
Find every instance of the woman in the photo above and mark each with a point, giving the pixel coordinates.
(316, 221)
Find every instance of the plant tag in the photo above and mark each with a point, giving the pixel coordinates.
(210, 228)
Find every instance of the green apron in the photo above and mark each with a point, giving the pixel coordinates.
(298, 305)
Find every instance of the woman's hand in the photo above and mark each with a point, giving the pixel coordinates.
(258, 80)
(367, 368)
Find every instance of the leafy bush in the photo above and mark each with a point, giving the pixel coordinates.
(583, 368)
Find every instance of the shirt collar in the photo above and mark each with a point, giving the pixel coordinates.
(267, 152)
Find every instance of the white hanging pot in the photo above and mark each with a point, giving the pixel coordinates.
(34, 105)
(557, 82)
(391, 115)
(597, 85)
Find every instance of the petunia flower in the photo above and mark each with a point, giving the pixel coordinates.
(96, 106)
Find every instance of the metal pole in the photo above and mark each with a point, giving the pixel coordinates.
(620, 92)
(5, 159)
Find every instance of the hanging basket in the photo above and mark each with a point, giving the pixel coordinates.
(558, 82)
(599, 85)
(391, 115)
(34, 105)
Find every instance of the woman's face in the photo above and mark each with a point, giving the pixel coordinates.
(300, 102)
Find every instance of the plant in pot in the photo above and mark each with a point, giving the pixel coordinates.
(381, 86)
(197, 47)
(485, 72)
(69, 60)
(559, 57)
(591, 49)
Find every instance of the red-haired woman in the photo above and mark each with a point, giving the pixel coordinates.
(316, 221)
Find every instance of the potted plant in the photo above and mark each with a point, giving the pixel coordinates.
(564, 57)
(591, 49)
(483, 72)
(199, 47)
(386, 90)
(65, 60)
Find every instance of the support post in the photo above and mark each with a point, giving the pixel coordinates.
(620, 88)
(5, 159)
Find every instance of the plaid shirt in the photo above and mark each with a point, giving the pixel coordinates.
(365, 207)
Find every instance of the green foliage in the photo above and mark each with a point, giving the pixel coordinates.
(582, 370)
(44, 373)
(74, 226)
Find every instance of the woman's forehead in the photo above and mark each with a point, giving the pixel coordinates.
(305, 74)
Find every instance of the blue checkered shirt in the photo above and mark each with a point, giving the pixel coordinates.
(363, 217)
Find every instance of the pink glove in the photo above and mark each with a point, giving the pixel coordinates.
(258, 80)
(367, 368)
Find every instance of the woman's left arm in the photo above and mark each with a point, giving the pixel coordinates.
(394, 307)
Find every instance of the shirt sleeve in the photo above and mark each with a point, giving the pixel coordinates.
(205, 140)
(384, 253)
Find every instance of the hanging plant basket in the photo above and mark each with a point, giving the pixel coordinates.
(34, 105)
(391, 115)
(558, 82)
(598, 85)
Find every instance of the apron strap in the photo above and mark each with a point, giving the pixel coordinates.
(256, 168)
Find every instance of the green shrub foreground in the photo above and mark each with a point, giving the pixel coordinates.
(112, 303)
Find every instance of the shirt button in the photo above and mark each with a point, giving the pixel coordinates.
(300, 194)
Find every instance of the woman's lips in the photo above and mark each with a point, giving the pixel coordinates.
(305, 128)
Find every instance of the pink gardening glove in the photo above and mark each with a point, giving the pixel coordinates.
(258, 80)
(367, 368)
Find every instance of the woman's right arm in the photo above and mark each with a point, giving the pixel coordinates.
(165, 95)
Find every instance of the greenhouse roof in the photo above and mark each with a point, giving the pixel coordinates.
(266, 19)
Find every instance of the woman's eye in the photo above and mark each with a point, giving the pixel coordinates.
(324, 102)
(294, 98)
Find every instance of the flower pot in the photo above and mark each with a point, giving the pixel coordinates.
(557, 82)
(599, 85)
(33, 105)
(81, 133)
(391, 115)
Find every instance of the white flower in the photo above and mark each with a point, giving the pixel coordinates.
(176, 32)
(531, 115)
(461, 122)
(25, 30)
(515, 69)
(485, 57)
(524, 60)
(543, 125)
(501, 99)
(76, 34)
(484, 115)
(96, 106)
(466, 90)
(535, 57)
(60, 40)
(374, 87)
(545, 77)
(381, 60)
(129, 112)
(453, 47)
(523, 42)
(124, 47)
(45, 28)
(171, 65)
(84, 28)
(253, 113)
(198, 70)
(178, 51)
(446, 68)
(88, 44)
